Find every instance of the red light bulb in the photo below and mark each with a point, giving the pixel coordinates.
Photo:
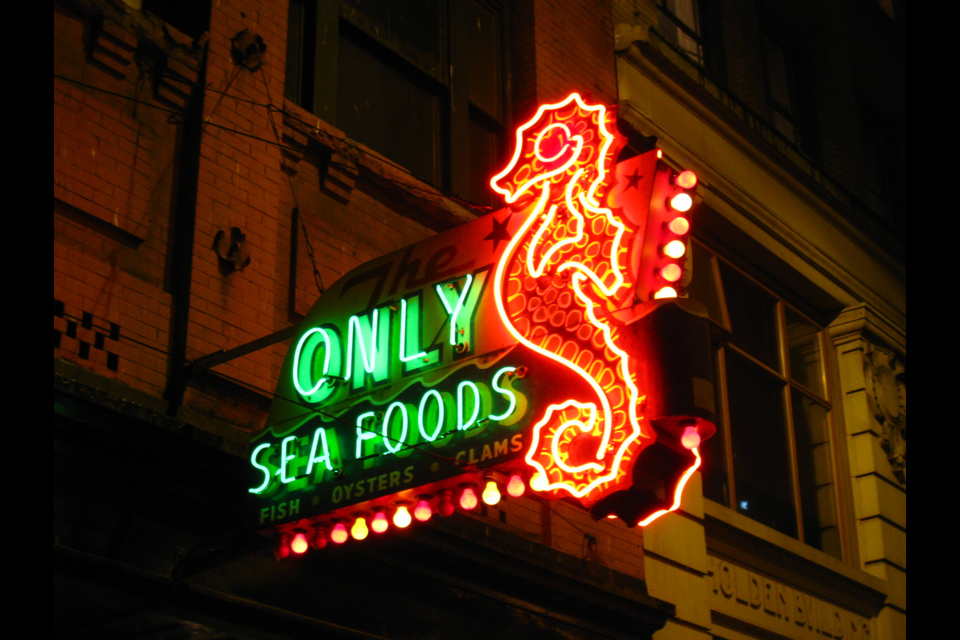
(691, 438)
(516, 488)
(402, 517)
(339, 535)
(423, 512)
(282, 550)
(671, 272)
(300, 544)
(468, 499)
(679, 226)
(666, 292)
(681, 202)
(319, 541)
(538, 482)
(687, 180)
(675, 249)
(446, 507)
(380, 523)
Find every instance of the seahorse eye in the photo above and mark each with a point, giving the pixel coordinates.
(552, 143)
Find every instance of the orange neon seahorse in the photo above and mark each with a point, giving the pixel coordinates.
(559, 279)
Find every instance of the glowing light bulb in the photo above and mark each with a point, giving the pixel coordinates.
(446, 507)
(666, 292)
(300, 544)
(468, 499)
(319, 541)
(423, 512)
(679, 225)
(339, 535)
(659, 154)
(538, 482)
(611, 517)
(681, 202)
(282, 550)
(402, 517)
(671, 272)
(491, 495)
(687, 180)
(380, 523)
(360, 531)
(691, 438)
(675, 249)
(516, 488)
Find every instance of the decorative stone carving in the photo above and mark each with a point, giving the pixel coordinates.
(886, 381)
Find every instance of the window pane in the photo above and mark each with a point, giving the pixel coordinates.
(703, 287)
(682, 28)
(761, 451)
(803, 340)
(716, 476)
(778, 76)
(385, 110)
(296, 42)
(483, 65)
(484, 147)
(811, 425)
(413, 27)
(753, 316)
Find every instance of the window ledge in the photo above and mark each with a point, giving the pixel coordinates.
(759, 547)
(375, 168)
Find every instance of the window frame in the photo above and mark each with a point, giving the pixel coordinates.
(827, 400)
(452, 173)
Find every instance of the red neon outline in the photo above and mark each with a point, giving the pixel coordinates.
(678, 494)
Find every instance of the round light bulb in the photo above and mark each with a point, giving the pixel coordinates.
(468, 499)
(675, 249)
(282, 550)
(611, 517)
(516, 488)
(679, 226)
(300, 544)
(402, 517)
(446, 507)
(491, 495)
(671, 272)
(681, 202)
(687, 180)
(666, 292)
(538, 482)
(423, 512)
(360, 531)
(691, 438)
(319, 541)
(339, 534)
(380, 523)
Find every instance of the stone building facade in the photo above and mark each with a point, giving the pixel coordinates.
(217, 165)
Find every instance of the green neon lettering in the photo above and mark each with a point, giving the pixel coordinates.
(369, 357)
(263, 469)
(403, 335)
(320, 437)
(455, 311)
(285, 459)
(461, 425)
(423, 413)
(387, 440)
(307, 393)
(506, 392)
(363, 434)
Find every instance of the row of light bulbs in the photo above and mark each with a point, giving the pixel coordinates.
(379, 522)
(679, 226)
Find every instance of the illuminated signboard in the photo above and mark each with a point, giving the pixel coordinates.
(546, 345)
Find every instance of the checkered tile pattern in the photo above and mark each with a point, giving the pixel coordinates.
(87, 336)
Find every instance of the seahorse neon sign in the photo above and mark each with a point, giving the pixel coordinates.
(556, 284)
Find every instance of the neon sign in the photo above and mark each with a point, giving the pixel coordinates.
(459, 369)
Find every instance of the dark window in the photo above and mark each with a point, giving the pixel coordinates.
(781, 88)
(680, 25)
(420, 81)
(189, 16)
(772, 459)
